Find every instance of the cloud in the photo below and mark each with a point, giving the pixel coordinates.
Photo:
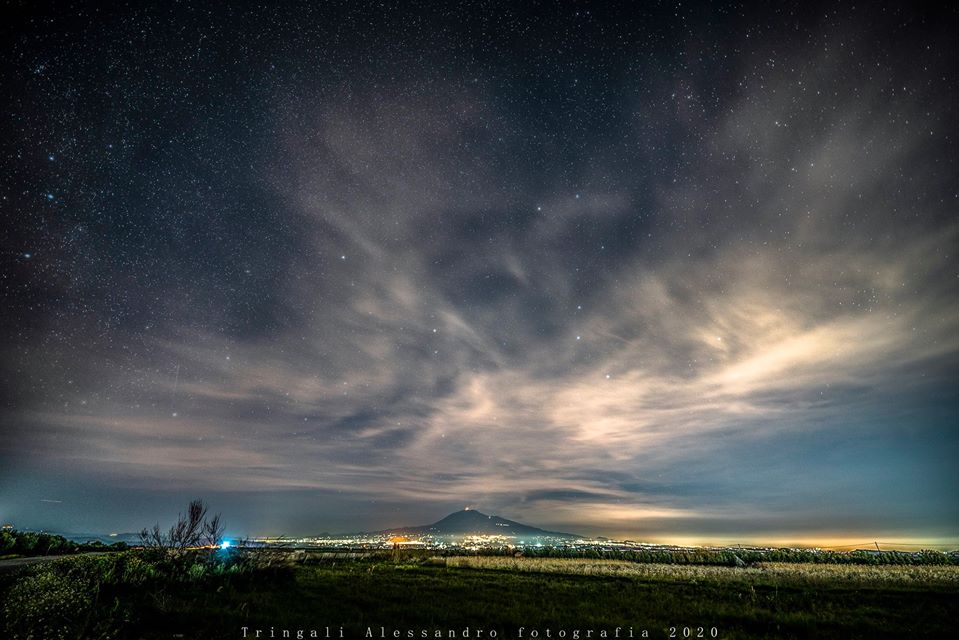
(604, 350)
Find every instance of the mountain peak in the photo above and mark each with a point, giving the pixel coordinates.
(470, 521)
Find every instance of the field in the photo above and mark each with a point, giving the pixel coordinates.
(439, 595)
(784, 573)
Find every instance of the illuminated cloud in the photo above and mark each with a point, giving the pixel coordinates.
(734, 313)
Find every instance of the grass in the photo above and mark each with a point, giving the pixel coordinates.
(782, 573)
(805, 601)
(773, 600)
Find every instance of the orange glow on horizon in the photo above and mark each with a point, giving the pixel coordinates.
(833, 542)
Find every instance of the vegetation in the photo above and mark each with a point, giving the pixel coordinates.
(192, 530)
(795, 574)
(729, 557)
(213, 594)
(102, 596)
(180, 583)
(26, 543)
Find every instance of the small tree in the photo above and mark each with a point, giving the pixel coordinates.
(192, 530)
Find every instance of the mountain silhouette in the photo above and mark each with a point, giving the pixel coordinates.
(470, 521)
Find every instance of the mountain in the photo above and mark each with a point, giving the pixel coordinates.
(470, 521)
(81, 538)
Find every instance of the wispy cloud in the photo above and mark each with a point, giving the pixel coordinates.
(611, 351)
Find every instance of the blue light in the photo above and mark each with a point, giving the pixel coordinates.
(225, 544)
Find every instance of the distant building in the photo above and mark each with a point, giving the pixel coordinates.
(7, 527)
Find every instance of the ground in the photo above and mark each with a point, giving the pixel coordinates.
(502, 594)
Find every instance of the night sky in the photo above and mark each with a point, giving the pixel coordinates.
(669, 271)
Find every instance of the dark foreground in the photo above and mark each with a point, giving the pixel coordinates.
(475, 596)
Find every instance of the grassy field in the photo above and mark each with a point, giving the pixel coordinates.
(503, 594)
(783, 573)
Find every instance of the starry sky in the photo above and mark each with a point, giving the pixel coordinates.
(671, 271)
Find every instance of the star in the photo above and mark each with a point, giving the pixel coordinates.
(428, 176)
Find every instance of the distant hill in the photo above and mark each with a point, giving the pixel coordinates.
(470, 521)
(81, 538)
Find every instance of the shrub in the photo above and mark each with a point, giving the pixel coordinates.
(192, 530)
(137, 571)
(48, 605)
(29, 543)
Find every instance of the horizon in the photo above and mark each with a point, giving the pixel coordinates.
(681, 272)
(841, 541)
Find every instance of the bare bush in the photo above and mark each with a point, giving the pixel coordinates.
(192, 530)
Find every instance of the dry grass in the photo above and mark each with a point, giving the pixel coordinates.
(763, 573)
